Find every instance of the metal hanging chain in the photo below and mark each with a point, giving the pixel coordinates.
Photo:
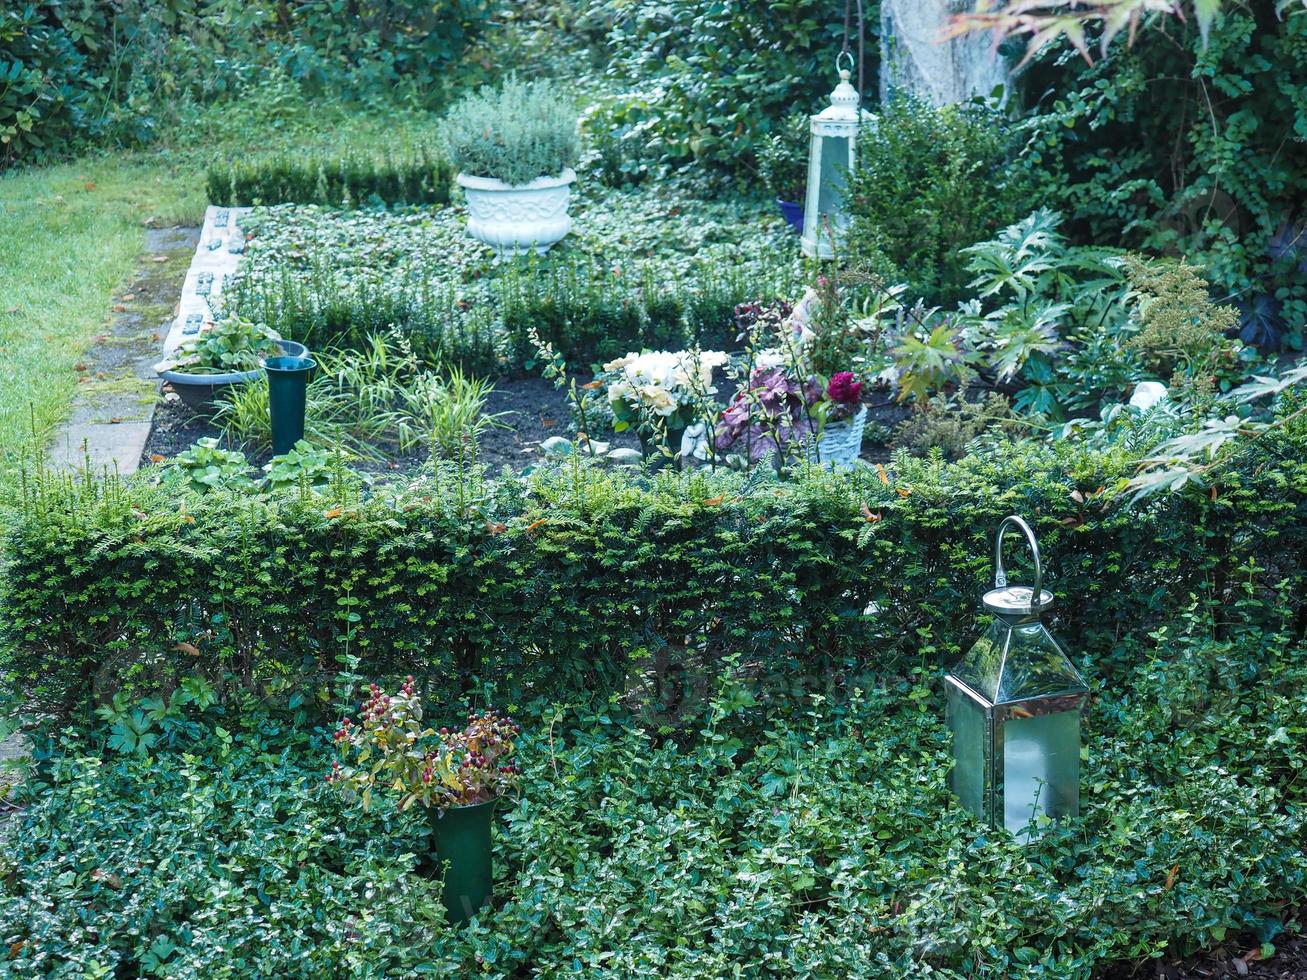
(862, 33)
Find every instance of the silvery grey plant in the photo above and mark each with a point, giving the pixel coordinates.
(515, 133)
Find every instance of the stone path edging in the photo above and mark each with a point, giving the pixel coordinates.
(114, 408)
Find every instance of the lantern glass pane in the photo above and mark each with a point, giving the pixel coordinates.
(1015, 661)
(833, 176)
(967, 721)
(1041, 769)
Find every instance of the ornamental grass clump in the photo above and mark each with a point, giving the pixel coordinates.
(389, 747)
(515, 133)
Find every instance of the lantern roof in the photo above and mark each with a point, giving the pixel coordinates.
(1018, 661)
(844, 103)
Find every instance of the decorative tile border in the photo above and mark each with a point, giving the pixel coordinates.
(221, 246)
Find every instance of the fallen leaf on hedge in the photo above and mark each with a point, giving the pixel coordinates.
(334, 512)
(190, 648)
(593, 385)
(17, 948)
(1170, 878)
(901, 492)
(494, 527)
(712, 501)
(157, 458)
(533, 525)
(870, 517)
(880, 472)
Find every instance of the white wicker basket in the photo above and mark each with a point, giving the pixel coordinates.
(841, 442)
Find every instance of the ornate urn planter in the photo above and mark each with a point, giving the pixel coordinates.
(516, 219)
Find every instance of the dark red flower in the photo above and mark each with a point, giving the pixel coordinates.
(844, 389)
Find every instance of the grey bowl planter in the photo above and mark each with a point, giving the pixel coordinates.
(198, 392)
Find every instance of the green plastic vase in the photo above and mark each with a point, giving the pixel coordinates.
(461, 839)
(288, 381)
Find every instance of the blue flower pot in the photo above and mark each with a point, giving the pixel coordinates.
(793, 214)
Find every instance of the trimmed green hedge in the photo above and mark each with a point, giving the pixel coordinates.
(410, 175)
(565, 577)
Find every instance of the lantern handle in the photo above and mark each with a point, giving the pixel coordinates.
(1000, 576)
(840, 57)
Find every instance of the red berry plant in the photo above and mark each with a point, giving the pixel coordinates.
(389, 748)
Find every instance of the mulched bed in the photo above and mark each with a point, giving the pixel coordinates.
(539, 410)
(1227, 962)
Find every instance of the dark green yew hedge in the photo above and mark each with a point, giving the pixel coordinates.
(564, 578)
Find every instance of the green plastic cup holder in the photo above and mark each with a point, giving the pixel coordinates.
(461, 839)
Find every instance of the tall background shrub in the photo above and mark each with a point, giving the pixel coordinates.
(703, 82)
(77, 72)
(1191, 149)
(929, 183)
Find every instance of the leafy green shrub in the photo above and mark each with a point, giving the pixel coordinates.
(783, 160)
(515, 133)
(414, 175)
(231, 344)
(1197, 150)
(206, 466)
(562, 577)
(1180, 330)
(928, 183)
(706, 81)
(46, 89)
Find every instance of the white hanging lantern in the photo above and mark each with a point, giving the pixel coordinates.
(830, 161)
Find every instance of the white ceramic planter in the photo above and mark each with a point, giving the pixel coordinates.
(515, 219)
(841, 442)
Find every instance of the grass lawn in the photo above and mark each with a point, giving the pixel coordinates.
(72, 233)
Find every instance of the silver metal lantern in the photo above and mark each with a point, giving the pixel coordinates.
(1014, 704)
(831, 158)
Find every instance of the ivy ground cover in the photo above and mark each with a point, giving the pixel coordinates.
(787, 834)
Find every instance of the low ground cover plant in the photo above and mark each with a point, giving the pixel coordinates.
(639, 270)
(785, 830)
